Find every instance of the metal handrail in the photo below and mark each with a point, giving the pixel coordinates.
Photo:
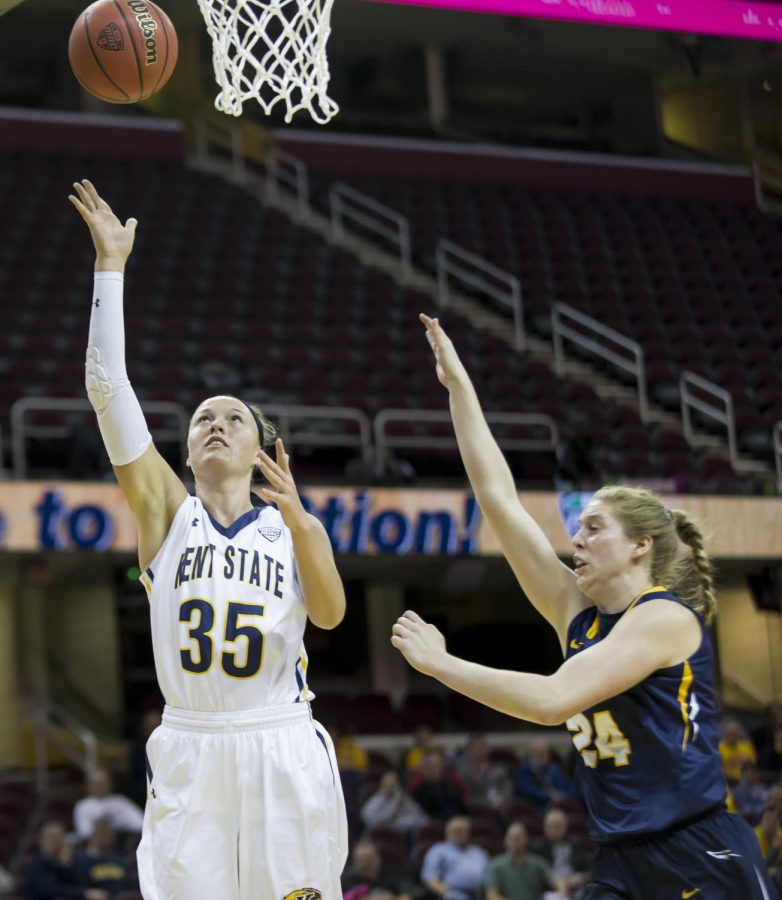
(384, 442)
(225, 136)
(46, 716)
(285, 415)
(289, 171)
(346, 202)
(776, 437)
(473, 271)
(767, 176)
(21, 430)
(721, 412)
(636, 366)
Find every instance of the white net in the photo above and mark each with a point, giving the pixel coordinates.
(271, 51)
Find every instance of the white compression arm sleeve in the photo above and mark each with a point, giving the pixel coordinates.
(121, 421)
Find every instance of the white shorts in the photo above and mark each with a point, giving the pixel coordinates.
(242, 806)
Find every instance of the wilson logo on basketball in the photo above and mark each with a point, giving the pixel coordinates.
(110, 38)
(304, 894)
(148, 28)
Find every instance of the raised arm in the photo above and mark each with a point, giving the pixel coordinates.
(152, 489)
(548, 582)
(652, 636)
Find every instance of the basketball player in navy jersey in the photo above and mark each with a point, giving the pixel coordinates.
(244, 797)
(636, 689)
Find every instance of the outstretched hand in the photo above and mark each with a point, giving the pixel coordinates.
(113, 240)
(282, 488)
(421, 644)
(449, 366)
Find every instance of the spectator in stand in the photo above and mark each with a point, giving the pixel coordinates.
(769, 835)
(517, 874)
(367, 879)
(124, 815)
(749, 795)
(768, 739)
(7, 883)
(50, 874)
(353, 763)
(350, 756)
(735, 748)
(392, 807)
(540, 778)
(484, 781)
(454, 868)
(100, 865)
(423, 742)
(568, 859)
(438, 793)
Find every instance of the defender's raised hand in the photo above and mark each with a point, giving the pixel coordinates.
(113, 240)
(449, 367)
(421, 644)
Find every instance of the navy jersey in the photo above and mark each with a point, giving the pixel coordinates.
(649, 756)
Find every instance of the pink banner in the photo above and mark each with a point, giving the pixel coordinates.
(735, 18)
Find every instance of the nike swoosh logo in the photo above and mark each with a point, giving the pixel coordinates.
(692, 893)
(576, 645)
(724, 854)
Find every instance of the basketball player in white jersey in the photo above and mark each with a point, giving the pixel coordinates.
(244, 798)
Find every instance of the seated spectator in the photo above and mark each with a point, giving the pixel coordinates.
(391, 806)
(735, 747)
(353, 763)
(101, 865)
(438, 793)
(7, 883)
(749, 795)
(484, 781)
(350, 756)
(423, 742)
(568, 860)
(516, 874)
(769, 835)
(367, 879)
(50, 874)
(123, 814)
(454, 868)
(540, 778)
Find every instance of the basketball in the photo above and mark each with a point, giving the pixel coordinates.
(123, 51)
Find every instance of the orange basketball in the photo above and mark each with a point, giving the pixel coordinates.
(123, 51)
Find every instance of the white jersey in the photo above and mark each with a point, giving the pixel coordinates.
(227, 613)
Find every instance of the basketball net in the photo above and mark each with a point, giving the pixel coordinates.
(271, 51)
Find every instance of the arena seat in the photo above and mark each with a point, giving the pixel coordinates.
(236, 283)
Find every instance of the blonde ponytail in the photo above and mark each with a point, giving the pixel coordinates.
(693, 575)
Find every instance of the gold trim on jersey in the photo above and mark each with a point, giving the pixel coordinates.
(651, 590)
(684, 690)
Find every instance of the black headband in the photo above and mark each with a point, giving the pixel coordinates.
(256, 419)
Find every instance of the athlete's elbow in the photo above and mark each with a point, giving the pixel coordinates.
(553, 711)
(328, 617)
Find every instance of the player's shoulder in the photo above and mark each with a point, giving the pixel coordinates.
(660, 608)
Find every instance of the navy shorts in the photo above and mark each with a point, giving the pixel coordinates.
(716, 857)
